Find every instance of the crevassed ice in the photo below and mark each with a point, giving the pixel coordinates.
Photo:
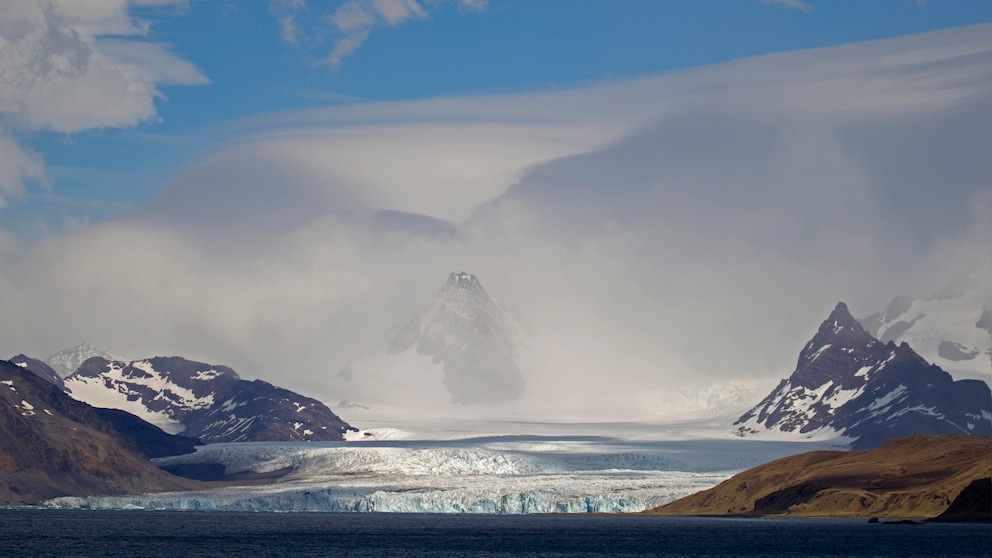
(501, 477)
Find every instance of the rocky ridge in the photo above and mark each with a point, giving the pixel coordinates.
(847, 383)
(205, 401)
(52, 445)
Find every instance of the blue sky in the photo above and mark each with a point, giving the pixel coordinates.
(676, 191)
(451, 49)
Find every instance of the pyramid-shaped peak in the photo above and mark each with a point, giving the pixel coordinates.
(463, 280)
(841, 319)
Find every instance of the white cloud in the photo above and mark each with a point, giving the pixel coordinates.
(345, 46)
(57, 73)
(395, 12)
(794, 4)
(689, 227)
(17, 167)
(351, 22)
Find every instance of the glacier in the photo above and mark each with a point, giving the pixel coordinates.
(489, 475)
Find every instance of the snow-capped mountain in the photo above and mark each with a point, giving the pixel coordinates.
(952, 328)
(67, 361)
(847, 383)
(202, 400)
(473, 337)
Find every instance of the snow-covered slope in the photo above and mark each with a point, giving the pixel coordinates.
(496, 475)
(952, 328)
(67, 361)
(849, 384)
(202, 400)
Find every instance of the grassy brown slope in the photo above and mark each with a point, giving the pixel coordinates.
(52, 445)
(914, 477)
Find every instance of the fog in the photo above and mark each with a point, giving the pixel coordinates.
(675, 230)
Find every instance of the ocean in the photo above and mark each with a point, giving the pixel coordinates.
(64, 533)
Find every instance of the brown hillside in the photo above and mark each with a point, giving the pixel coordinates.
(913, 477)
(52, 445)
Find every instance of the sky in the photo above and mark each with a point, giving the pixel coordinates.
(677, 191)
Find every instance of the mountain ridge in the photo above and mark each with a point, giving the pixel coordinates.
(847, 383)
(53, 445)
(209, 402)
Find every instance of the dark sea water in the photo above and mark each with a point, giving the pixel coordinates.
(38, 532)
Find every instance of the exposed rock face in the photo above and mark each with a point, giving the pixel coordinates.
(40, 369)
(150, 440)
(974, 503)
(473, 337)
(848, 383)
(52, 445)
(915, 476)
(205, 401)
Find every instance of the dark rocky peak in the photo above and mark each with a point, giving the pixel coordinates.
(179, 368)
(840, 329)
(40, 369)
(184, 372)
(847, 382)
(840, 344)
(94, 366)
(841, 323)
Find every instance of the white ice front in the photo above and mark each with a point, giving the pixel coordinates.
(497, 476)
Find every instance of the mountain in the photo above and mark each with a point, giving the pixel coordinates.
(66, 362)
(205, 401)
(473, 337)
(40, 369)
(847, 383)
(912, 477)
(52, 445)
(952, 328)
(150, 440)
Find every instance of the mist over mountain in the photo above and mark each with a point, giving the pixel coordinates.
(472, 336)
(67, 361)
(951, 328)
(675, 230)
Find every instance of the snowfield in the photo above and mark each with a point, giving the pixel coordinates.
(493, 475)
